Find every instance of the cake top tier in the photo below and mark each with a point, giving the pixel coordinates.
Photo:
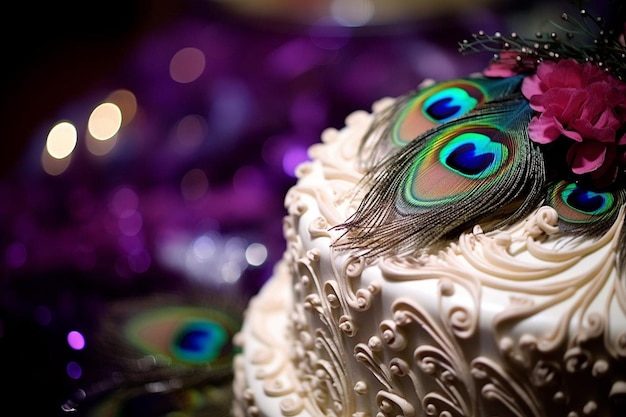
(545, 124)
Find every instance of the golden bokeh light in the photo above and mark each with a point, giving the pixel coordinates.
(126, 101)
(61, 140)
(54, 166)
(105, 121)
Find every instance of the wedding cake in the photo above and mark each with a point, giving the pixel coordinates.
(459, 251)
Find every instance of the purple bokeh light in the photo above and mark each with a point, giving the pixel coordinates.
(76, 340)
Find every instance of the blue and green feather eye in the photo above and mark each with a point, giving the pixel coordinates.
(443, 102)
(580, 206)
(463, 160)
(179, 336)
(451, 102)
(434, 105)
(188, 335)
(473, 155)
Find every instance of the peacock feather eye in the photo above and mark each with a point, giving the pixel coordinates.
(165, 354)
(199, 340)
(576, 204)
(463, 158)
(443, 102)
(451, 102)
(473, 155)
(434, 105)
(187, 335)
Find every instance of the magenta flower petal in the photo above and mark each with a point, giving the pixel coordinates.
(572, 134)
(586, 157)
(498, 71)
(584, 129)
(544, 129)
(531, 86)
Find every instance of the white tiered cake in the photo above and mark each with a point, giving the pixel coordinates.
(526, 318)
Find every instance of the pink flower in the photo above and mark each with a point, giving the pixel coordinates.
(584, 104)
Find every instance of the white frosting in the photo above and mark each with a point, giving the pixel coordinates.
(516, 322)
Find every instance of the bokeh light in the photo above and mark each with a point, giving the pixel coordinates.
(130, 223)
(256, 254)
(189, 133)
(53, 166)
(100, 147)
(293, 157)
(61, 140)
(74, 370)
(123, 200)
(187, 65)
(352, 12)
(76, 340)
(126, 101)
(105, 121)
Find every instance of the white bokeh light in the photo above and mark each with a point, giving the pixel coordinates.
(256, 254)
(105, 121)
(61, 140)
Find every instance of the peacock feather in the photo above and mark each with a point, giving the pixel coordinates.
(585, 212)
(162, 354)
(456, 154)
(428, 107)
(481, 165)
(582, 210)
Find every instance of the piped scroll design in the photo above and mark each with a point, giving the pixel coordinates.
(320, 364)
(535, 370)
(441, 378)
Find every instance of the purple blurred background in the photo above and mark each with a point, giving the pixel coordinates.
(218, 104)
